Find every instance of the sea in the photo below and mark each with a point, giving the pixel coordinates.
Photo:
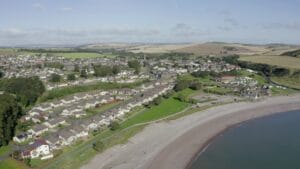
(271, 142)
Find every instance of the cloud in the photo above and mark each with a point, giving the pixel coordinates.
(38, 6)
(71, 36)
(66, 9)
(277, 25)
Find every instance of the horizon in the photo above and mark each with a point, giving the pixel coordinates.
(58, 23)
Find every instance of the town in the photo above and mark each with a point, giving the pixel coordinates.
(56, 122)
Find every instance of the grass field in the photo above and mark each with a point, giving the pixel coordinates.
(287, 81)
(76, 55)
(283, 61)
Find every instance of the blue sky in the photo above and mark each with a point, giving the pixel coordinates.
(153, 21)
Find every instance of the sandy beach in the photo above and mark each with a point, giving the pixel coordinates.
(174, 144)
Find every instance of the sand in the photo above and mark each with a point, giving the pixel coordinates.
(174, 144)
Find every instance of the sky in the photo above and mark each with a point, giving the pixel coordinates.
(26, 22)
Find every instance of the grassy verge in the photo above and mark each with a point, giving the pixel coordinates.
(12, 164)
(5, 149)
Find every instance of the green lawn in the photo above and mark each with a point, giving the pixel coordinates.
(4, 150)
(167, 107)
(12, 164)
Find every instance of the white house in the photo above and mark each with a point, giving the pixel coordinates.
(38, 149)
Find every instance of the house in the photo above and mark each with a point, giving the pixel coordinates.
(53, 141)
(21, 137)
(38, 129)
(79, 131)
(44, 107)
(68, 100)
(70, 111)
(55, 122)
(79, 114)
(37, 149)
(67, 136)
(56, 103)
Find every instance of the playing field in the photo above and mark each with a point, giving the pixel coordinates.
(284, 61)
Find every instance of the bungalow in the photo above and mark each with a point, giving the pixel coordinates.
(55, 122)
(68, 100)
(37, 149)
(38, 129)
(53, 141)
(79, 131)
(89, 124)
(67, 137)
(44, 107)
(35, 111)
(56, 103)
(79, 114)
(70, 111)
(21, 137)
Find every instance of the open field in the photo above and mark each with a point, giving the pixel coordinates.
(283, 61)
(84, 55)
(287, 81)
(222, 49)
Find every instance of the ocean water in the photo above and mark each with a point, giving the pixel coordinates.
(271, 142)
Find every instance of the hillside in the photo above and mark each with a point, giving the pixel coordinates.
(294, 53)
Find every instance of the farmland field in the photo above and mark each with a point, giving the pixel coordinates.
(83, 55)
(284, 61)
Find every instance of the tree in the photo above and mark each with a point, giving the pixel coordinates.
(10, 112)
(55, 78)
(1, 74)
(98, 146)
(116, 69)
(157, 100)
(102, 70)
(135, 64)
(180, 85)
(27, 90)
(83, 73)
(114, 125)
(71, 77)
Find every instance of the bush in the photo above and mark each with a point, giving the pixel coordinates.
(157, 100)
(71, 77)
(55, 78)
(98, 146)
(169, 94)
(114, 125)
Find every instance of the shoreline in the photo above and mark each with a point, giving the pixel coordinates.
(176, 144)
(208, 142)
